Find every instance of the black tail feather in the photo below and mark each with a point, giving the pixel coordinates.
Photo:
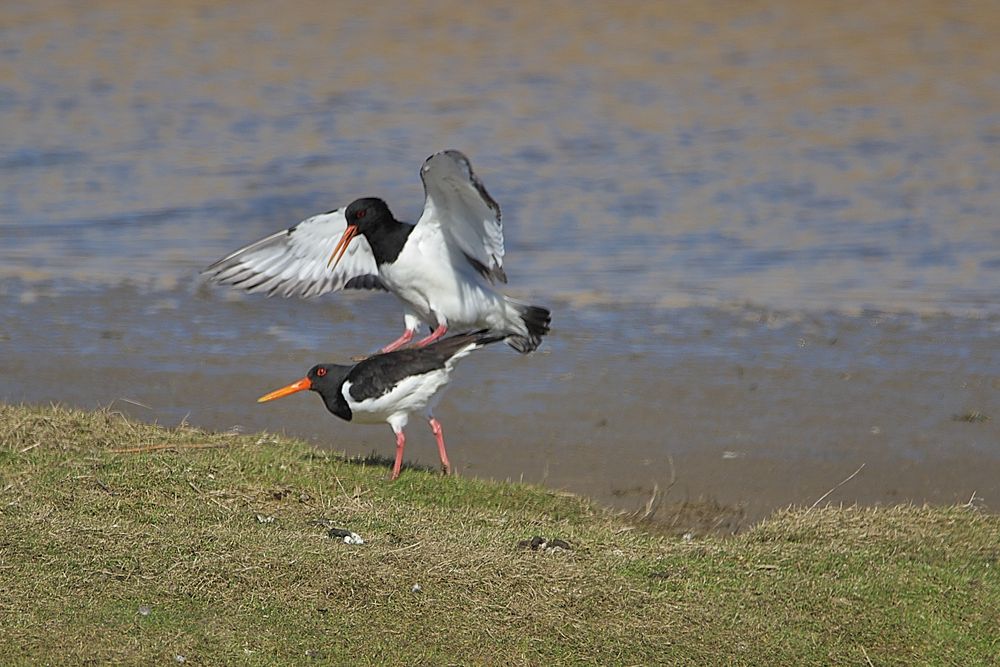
(537, 320)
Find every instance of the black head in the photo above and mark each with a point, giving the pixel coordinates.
(369, 217)
(325, 378)
(367, 213)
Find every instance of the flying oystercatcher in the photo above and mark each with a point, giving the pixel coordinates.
(442, 268)
(388, 387)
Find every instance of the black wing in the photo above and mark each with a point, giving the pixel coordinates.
(377, 375)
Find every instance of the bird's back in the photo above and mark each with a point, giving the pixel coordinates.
(380, 374)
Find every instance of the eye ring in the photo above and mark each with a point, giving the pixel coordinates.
(320, 372)
(360, 214)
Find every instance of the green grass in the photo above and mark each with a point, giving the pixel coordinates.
(142, 557)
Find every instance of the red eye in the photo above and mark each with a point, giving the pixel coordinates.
(320, 372)
(360, 214)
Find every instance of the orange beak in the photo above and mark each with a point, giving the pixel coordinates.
(345, 240)
(301, 385)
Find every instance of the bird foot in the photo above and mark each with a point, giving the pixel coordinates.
(398, 343)
(435, 335)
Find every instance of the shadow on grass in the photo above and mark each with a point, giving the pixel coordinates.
(375, 460)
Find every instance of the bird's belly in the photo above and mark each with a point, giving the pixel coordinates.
(412, 394)
(437, 292)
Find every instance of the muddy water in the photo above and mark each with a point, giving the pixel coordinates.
(770, 235)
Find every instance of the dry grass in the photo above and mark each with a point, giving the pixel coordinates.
(213, 549)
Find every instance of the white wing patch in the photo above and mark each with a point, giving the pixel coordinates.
(293, 262)
(457, 205)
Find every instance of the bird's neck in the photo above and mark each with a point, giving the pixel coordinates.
(387, 240)
(330, 389)
(337, 404)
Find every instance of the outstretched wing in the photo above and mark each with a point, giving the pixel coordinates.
(456, 201)
(293, 262)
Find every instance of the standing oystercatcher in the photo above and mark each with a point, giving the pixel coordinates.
(442, 268)
(388, 387)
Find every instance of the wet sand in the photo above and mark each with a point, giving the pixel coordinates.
(768, 232)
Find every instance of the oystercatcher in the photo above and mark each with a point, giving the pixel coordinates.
(388, 387)
(442, 268)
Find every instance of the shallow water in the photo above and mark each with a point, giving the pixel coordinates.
(769, 234)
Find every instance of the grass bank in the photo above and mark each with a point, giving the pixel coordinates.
(216, 551)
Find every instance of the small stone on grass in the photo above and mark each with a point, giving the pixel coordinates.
(347, 536)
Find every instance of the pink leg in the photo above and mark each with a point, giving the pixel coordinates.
(400, 443)
(439, 436)
(399, 342)
(440, 331)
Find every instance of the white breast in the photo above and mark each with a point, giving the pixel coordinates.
(441, 287)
